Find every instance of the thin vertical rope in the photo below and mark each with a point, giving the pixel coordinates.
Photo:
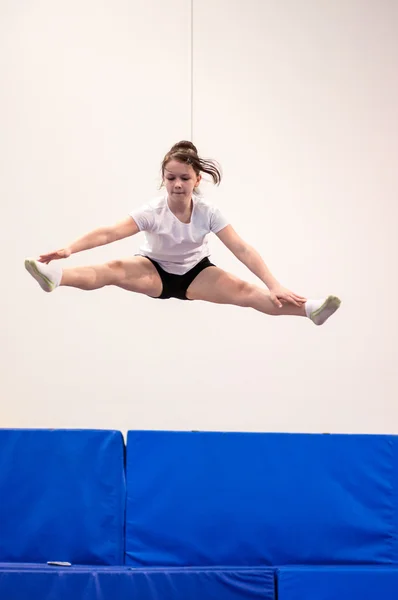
(192, 70)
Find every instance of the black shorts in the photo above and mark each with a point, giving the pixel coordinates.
(175, 286)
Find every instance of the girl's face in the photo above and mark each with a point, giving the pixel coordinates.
(180, 180)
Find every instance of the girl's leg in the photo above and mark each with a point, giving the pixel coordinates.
(215, 285)
(136, 274)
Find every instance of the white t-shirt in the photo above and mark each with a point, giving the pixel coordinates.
(177, 246)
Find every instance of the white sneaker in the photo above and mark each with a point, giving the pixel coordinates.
(48, 277)
(329, 306)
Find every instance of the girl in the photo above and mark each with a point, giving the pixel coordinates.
(174, 260)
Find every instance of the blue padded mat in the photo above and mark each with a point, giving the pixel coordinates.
(27, 582)
(337, 583)
(209, 498)
(62, 496)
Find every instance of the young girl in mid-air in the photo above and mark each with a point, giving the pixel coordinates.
(174, 260)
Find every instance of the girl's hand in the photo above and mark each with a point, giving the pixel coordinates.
(280, 295)
(63, 253)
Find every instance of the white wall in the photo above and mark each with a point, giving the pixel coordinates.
(298, 103)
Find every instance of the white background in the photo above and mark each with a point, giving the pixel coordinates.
(298, 102)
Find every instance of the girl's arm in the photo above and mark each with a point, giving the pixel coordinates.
(253, 261)
(98, 237)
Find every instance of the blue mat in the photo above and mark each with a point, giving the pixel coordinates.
(212, 498)
(31, 582)
(338, 583)
(62, 496)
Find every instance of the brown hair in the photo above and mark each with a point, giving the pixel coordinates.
(187, 153)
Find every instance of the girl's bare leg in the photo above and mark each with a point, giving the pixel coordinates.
(135, 274)
(215, 285)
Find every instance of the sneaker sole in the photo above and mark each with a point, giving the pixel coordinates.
(46, 284)
(328, 308)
